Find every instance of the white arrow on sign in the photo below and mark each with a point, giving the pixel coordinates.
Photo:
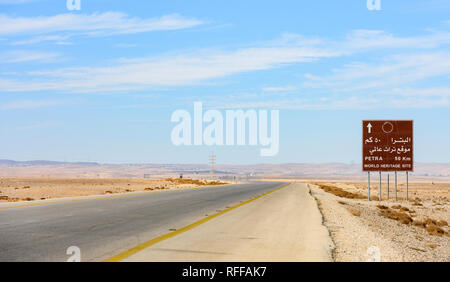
(369, 128)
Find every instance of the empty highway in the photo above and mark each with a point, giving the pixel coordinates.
(105, 227)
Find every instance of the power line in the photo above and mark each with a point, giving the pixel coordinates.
(212, 161)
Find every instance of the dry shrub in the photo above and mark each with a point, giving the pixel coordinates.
(402, 217)
(381, 207)
(342, 203)
(108, 192)
(148, 189)
(434, 230)
(430, 221)
(13, 199)
(215, 183)
(4, 198)
(26, 187)
(193, 181)
(128, 190)
(404, 209)
(406, 220)
(432, 246)
(442, 223)
(355, 212)
(431, 226)
(340, 192)
(416, 203)
(27, 199)
(419, 223)
(160, 188)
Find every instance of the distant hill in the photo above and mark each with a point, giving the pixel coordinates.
(41, 162)
(11, 168)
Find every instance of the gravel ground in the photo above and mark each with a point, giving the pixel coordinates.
(42, 188)
(360, 233)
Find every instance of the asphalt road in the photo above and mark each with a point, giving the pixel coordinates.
(102, 228)
(283, 226)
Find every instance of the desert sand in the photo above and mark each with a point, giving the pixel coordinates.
(41, 188)
(413, 230)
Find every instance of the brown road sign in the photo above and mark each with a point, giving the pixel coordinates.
(387, 145)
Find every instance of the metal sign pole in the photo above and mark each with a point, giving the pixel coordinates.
(368, 179)
(379, 192)
(396, 186)
(407, 186)
(388, 188)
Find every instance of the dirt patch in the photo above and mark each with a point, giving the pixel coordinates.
(355, 212)
(26, 188)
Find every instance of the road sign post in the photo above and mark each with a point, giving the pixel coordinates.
(396, 186)
(407, 184)
(368, 180)
(387, 145)
(388, 187)
(379, 189)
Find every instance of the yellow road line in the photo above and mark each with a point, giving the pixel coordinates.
(152, 242)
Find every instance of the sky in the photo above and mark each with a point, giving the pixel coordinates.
(100, 84)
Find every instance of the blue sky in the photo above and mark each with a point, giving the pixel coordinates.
(101, 83)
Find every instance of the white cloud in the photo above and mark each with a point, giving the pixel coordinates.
(59, 39)
(125, 45)
(93, 24)
(6, 2)
(279, 88)
(31, 104)
(20, 56)
(359, 102)
(176, 70)
(353, 85)
(394, 70)
(361, 40)
(419, 92)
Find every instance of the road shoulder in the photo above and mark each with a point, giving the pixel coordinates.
(282, 226)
